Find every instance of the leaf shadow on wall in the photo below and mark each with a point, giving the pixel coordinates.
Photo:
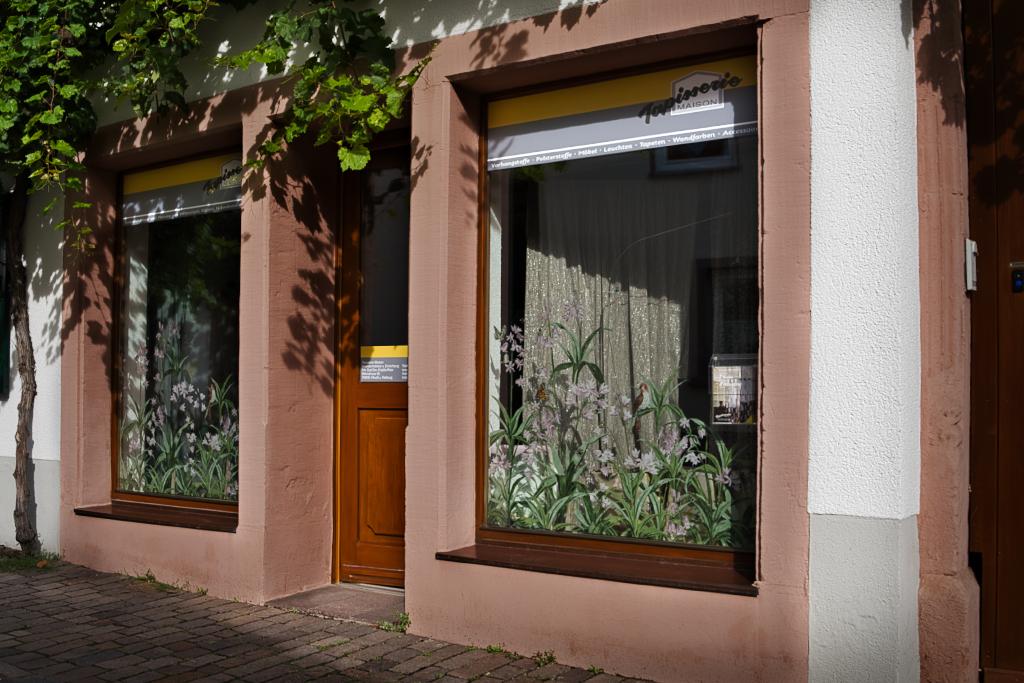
(312, 322)
(961, 58)
(89, 273)
(302, 188)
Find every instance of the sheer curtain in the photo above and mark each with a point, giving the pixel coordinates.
(624, 253)
(614, 251)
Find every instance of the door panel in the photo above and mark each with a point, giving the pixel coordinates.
(994, 44)
(372, 355)
(381, 475)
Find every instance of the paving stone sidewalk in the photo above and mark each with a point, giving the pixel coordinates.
(70, 623)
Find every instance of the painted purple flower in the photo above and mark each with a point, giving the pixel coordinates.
(724, 477)
(679, 530)
(669, 441)
(633, 460)
(512, 352)
(692, 457)
(546, 340)
(572, 311)
(499, 455)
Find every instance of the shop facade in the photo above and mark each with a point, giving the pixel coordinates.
(643, 339)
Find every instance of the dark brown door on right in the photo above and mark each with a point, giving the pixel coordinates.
(994, 75)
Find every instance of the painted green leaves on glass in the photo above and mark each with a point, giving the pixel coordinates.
(572, 458)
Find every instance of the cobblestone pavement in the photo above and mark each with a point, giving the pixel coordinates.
(72, 623)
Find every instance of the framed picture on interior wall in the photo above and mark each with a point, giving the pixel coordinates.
(695, 157)
(733, 389)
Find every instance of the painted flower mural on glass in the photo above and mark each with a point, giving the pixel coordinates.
(572, 458)
(182, 439)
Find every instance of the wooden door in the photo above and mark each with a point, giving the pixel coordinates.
(994, 40)
(372, 399)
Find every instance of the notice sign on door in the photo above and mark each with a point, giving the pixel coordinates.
(384, 364)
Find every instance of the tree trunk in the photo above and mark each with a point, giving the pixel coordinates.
(24, 506)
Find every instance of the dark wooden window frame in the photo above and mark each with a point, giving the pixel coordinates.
(624, 560)
(148, 508)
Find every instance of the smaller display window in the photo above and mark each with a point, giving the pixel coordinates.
(176, 388)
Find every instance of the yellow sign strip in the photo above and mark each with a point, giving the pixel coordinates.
(383, 351)
(618, 92)
(176, 174)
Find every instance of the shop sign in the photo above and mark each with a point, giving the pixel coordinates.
(696, 103)
(184, 189)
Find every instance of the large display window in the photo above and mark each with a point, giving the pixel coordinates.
(622, 309)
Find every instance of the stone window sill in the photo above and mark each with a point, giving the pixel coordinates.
(165, 515)
(622, 567)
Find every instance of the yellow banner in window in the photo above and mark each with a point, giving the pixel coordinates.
(184, 173)
(612, 94)
(383, 351)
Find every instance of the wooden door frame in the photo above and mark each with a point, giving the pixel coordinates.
(349, 186)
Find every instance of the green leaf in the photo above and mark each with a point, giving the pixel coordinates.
(64, 148)
(354, 159)
(53, 116)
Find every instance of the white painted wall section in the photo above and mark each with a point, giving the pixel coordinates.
(417, 21)
(864, 440)
(44, 255)
(865, 306)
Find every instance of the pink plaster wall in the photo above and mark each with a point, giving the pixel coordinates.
(948, 594)
(662, 633)
(283, 541)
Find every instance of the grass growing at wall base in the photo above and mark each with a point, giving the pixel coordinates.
(12, 560)
(149, 579)
(399, 625)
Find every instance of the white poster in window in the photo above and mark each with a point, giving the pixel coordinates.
(733, 389)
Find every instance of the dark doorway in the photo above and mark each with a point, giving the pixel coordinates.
(994, 61)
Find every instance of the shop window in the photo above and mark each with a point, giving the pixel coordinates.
(622, 297)
(177, 390)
